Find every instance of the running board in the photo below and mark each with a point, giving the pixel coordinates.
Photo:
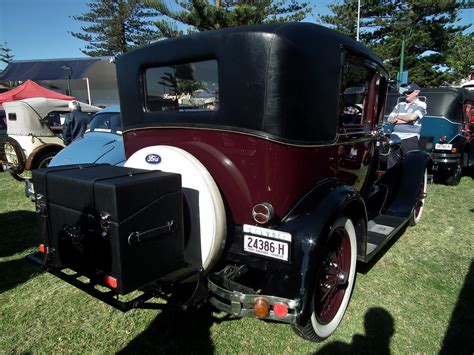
(379, 231)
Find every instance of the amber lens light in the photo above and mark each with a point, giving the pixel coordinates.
(261, 307)
(454, 150)
(280, 309)
(262, 212)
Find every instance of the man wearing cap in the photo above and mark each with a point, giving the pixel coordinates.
(406, 117)
(75, 123)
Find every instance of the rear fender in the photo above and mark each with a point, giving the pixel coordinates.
(310, 222)
(39, 151)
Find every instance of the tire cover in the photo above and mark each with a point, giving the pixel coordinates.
(212, 219)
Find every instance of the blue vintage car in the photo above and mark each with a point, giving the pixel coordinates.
(447, 132)
(102, 142)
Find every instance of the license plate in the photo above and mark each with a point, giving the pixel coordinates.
(267, 242)
(266, 247)
(443, 146)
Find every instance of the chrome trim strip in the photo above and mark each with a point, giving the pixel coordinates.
(337, 141)
(443, 118)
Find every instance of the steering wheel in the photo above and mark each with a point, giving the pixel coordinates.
(349, 108)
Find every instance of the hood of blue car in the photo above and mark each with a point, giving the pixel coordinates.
(94, 147)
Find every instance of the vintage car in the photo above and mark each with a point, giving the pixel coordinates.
(102, 142)
(447, 131)
(262, 203)
(34, 132)
(3, 136)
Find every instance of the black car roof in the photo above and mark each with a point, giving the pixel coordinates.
(280, 80)
(440, 101)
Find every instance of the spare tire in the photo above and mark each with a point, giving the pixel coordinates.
(205, 210)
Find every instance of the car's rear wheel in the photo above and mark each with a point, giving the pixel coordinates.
(453, 178)
(334, 282)
(44, 159)
(420, 203)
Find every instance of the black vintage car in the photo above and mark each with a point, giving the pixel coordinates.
(264, 197)
(447, 131)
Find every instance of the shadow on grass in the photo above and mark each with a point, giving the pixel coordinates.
(459, 338)
(18, 232)
(379, 328)
(15, 272)
(177, 332)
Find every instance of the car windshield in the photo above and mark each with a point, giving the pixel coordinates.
(106, 122)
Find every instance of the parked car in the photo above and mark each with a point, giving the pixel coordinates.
(3, 136)
(34, 132)
(264, 202)
(447, 131)
(102, 142)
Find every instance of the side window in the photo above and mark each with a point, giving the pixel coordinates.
(183, 87)
(12, 116)
(53, 118)
(355, 96)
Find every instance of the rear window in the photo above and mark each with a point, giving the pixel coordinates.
(106, 122)
(183, 87)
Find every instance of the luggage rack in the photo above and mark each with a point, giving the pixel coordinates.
(149, 291)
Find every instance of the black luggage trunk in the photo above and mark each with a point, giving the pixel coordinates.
(121, 227)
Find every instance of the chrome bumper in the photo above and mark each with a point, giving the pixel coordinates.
(240, 304)
(445, 158)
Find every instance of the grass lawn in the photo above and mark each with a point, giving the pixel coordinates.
(417, 298)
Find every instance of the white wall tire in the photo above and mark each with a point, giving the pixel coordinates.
(420, 202)
(209, 227)
(326, 316)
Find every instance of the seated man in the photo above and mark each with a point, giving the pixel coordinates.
(406, 117)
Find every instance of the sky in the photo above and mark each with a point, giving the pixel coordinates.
(40, 29)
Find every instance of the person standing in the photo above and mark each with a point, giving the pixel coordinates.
(406, 117)
(75, 123)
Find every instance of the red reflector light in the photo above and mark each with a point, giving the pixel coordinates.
(110, 281)
(280, 309)
(443, 139)
(43, 249)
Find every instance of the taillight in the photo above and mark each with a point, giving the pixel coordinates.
(261, 307)
(110, 281)
(263, 212)
(43, 249)
(280, 309)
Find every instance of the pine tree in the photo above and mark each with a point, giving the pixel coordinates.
(116, 27)
(461, 56)
(426, 28)
(201, 15)
(5, 55)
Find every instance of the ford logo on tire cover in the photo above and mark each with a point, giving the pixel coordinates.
(153, 158)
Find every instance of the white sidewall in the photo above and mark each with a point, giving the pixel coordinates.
(194, 176)
(325, 330)
(417, 219)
